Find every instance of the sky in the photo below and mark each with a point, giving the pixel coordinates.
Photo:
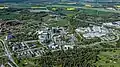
(1, 0)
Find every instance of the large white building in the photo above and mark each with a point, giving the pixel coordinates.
(113, 24)
(95, 31)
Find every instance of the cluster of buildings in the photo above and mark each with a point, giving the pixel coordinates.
(18, 47)
(26, 49)
(55, 37)
(109, 37)
(93, 31)
(30, 53)
(113, 24)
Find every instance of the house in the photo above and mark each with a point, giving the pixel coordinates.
(53, 46)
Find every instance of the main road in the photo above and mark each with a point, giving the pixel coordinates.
(8, 53)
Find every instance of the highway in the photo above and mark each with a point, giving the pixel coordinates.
(8, 53)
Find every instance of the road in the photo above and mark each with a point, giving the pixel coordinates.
(8, 53)
(28, 47)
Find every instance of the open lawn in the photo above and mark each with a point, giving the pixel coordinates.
(109, 58)
(60, 22)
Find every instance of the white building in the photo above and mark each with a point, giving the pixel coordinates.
(113, 24)
(95, 31)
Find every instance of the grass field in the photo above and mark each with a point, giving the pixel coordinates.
(109, 59)
(60, 22)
